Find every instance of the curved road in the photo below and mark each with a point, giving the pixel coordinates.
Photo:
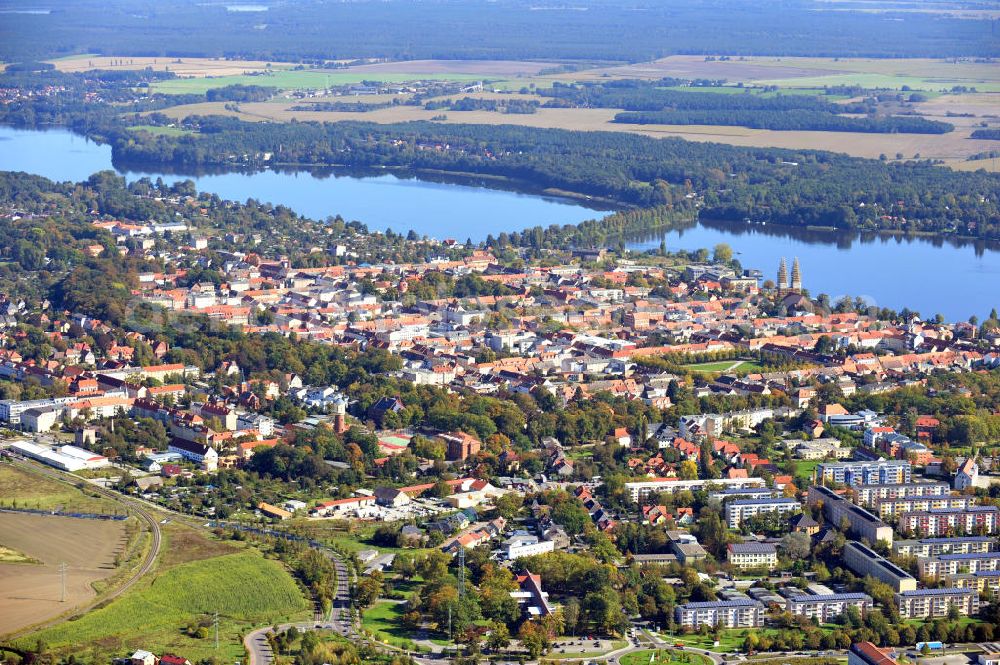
(338, 619)
(133, 507)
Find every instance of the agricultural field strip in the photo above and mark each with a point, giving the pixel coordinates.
(147, 563)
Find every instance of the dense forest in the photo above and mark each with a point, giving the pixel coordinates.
(993, 134)
(509, 29)
(800, 188)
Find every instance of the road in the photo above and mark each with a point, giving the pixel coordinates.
(338, 619)
(133, 506)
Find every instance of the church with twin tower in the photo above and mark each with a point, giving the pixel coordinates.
(784, 286)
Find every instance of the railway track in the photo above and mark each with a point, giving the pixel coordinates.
(134, 507)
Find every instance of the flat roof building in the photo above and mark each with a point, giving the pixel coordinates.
(825, 607)
(739, 613)
(939, 546)
(836, 509)
(933, 603)
(882, 472)
(864, 561)
(738, 510)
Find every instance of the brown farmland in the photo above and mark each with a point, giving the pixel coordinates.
(30, 593)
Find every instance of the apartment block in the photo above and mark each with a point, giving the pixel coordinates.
(974, 519)
(640, 490)
(752, 555)
(864, 561)
(738, 613)
(933, 603)
(867, 495)
(890, 507)
(827, 607)
(855, 474)
(939, 546)
(836, 509)
(741, 509)
(980, 581)
(951, 564)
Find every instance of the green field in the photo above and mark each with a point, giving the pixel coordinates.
(160, 131)
(663, 657)
(23, 489)
(738, 366)
(729, 640)
(245, 589)
(872, 80)
(806, 467)
(296, 80)
(383, 619)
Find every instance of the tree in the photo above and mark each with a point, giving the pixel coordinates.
(723, 253)
(499, 637)
(531, 639)
(796, 545)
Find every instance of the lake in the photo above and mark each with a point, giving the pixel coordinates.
(439, 207)
(951, 277)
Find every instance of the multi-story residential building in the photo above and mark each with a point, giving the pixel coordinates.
(863, 561)
(890, 507)
(826, 607)
(738, 510)
(980, 581)
(883, 472)
(974, 519)
(836, 509)
(939, 546)
(731, 493)
(933, 603)
(740, 613)
(867, 495)
(752, 555)
(642, 489)
(937, 567)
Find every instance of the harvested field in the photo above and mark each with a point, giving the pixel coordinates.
(918, 73)
(486, 68)
(198, 67)
(31, 593)
(954, 146)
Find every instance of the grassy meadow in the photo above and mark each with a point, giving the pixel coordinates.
(245, 589)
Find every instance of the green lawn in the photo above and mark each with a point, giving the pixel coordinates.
(296, 80)
(806, 467)
(663, 657)
(738, 366)
(384, 620)
(246, 590)
(24, 489)
(161, 131)
(729, 639)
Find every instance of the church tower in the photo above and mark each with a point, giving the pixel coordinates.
(782, 277)
(796, 276)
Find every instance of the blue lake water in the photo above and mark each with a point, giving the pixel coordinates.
(951, 277)
(441, 210)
